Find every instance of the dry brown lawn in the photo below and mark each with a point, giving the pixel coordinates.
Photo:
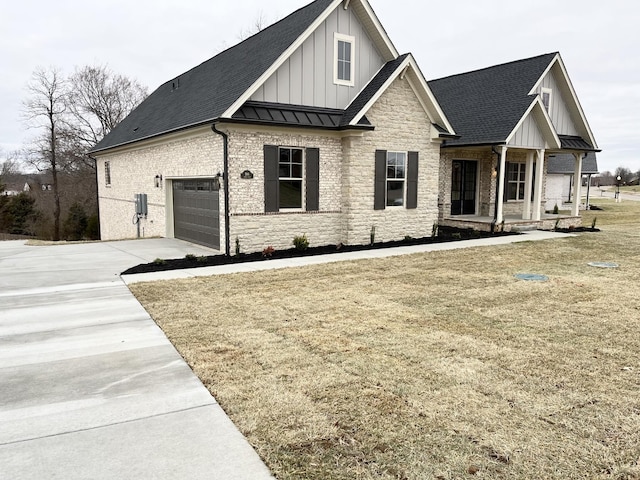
(439, 365)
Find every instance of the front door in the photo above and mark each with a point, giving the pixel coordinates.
(463, 187)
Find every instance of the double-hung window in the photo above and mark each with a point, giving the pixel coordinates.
(396, 180)
(396, 175)
(516, 175)
(344, 67)
(290, 177)
(546, 98)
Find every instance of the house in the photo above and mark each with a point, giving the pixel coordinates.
(509, 119)
(317, 125)
(559, 185)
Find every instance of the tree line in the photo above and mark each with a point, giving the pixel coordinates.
(69, 114)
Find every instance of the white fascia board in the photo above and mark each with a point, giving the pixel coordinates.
(381, 31)
(420, 87)
(278, 63)
(557, 60)
(550, 132)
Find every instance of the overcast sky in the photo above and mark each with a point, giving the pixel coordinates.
(156, 40)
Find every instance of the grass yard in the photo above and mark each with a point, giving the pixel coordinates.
(438, 365)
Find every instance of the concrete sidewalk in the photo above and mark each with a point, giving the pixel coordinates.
(90, 388)
(530, 236)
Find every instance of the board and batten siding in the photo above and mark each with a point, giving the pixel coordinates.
(560, 115)
(307, 77)
(528, 135)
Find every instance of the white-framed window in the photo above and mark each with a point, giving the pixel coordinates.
(546, 95)
(516, 175)
(107, 173)
(396, 178)
(290, 178)
(344, 64)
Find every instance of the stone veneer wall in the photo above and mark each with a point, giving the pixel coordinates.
(400, 125)
(134, 170)
(249, 223)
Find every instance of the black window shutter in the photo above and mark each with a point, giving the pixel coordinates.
(412, 180)
(312, 175)
(380, 193)
(271, 179)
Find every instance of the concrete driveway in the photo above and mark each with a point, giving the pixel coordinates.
(90, 388)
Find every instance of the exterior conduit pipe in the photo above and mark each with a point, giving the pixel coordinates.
(495, 207)
(225, 179)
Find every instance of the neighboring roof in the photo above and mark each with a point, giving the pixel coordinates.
(484, 106)
(565, 164)
(294, 115)
(205, 92)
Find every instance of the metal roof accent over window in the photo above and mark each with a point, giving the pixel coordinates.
(293, 115)
(571, 142)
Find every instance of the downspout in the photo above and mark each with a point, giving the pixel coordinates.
(95, 162)
(495, 207)
(225, 179)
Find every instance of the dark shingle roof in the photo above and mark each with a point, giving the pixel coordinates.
(265, 113)
(372, 88)
(484, 106)
(565, 164)
(205, 92)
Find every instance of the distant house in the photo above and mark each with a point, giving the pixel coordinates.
(560, 179)
(13, 189)
(317, 125)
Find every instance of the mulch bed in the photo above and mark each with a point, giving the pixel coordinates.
(445, 234)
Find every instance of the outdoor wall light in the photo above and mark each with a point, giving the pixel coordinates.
(158, 181)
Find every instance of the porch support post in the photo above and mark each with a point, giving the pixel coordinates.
(501, 179)
(577, 185)
(528, 186)
(537, 192)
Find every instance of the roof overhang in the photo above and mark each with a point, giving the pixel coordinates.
(543, 121)
(409, 69)
(557, 64)
(369, 19)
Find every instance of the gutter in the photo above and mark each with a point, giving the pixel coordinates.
(225, 179)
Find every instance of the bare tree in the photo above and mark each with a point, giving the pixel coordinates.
(96, 102)
(44, 110)
(259, 24)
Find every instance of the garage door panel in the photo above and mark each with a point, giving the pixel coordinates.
(196, 211)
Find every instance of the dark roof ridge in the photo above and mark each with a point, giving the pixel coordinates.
(504, 64)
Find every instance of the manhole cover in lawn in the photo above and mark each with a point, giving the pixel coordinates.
(603, 265)
(532, 277)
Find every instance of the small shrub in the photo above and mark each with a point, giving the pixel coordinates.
(557, 224)
(159, 261)
(372, 234)
(434, 230)
(190, 256)
(237, 246)
(408, 238)
(555, 210)
(268, 252)
(593, 223)
(202, 259)
(301, 242)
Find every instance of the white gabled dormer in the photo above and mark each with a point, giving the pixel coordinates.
(334, 62)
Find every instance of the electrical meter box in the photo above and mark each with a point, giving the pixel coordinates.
(141, 204)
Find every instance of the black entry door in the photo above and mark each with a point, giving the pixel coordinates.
(463, 187)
